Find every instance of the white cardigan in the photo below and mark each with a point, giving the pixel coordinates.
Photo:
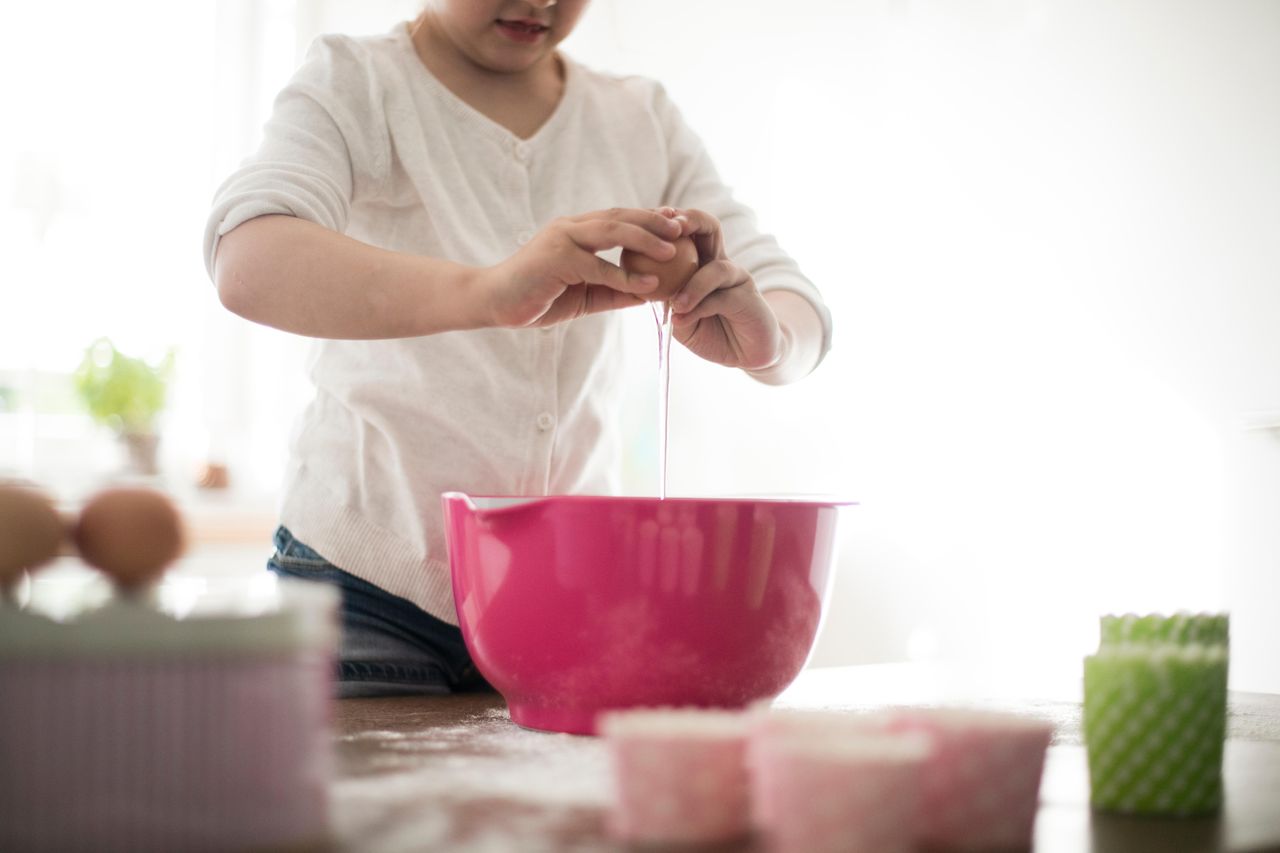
(365, 141)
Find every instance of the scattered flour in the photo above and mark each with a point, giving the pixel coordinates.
(437, 790)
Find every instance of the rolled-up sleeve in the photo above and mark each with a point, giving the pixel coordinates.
(695, 183)
(324, 144)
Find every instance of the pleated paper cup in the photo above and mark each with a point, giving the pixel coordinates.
(129, 730)
(982, 780)
(679, 775)
(768, 727)
(851, 793)
(1179, 629)
(1155, 725)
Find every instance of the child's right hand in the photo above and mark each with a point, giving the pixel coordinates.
(558, 276)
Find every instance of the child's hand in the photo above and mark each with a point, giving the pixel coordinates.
(719, 314)
(558, 276)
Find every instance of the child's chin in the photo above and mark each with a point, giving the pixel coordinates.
(506, 57)
(507, 63)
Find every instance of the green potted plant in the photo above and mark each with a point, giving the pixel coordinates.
(127, 395)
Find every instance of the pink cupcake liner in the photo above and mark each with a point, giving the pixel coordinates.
(981, 784)
(769, 726)
(854, 792)
(679, 774)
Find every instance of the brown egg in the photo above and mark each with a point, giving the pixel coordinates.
(672, 275)
(31, 531)
(132, 534)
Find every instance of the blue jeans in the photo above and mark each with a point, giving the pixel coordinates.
(389, 646)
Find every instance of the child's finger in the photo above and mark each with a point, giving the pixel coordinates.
(597, 235)
(723, 302)
(707, 280)
(595, 270)
(705, 231)
(598, 298)
(699, 221)
(650, 220)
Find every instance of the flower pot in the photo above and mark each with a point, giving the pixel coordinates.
(141, 452)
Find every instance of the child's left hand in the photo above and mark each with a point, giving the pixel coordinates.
(720, 314)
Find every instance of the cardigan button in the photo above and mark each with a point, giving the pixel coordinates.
(545, 421)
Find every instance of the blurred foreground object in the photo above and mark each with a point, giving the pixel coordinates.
(136, 725)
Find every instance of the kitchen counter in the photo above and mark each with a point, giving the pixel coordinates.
(454, 773)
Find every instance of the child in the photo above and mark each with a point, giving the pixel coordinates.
(430, 205)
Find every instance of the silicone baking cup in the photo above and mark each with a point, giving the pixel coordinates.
(1155, 702)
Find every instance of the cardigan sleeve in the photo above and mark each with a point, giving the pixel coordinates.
(695, 183)
(325, 144)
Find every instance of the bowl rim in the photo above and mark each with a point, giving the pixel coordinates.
(507, 503)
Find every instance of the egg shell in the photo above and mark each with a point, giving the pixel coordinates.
(132, 534)
(31, 530)
(672, 275)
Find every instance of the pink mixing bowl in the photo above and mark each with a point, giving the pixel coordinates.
(571, 606)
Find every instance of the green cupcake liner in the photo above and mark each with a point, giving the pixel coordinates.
(1180, 629)
(1155, 724)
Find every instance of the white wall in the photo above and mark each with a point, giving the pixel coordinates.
(1048, 231)
(1253, 557)
(1049, 234)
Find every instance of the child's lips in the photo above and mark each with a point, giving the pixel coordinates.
(522, 30)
